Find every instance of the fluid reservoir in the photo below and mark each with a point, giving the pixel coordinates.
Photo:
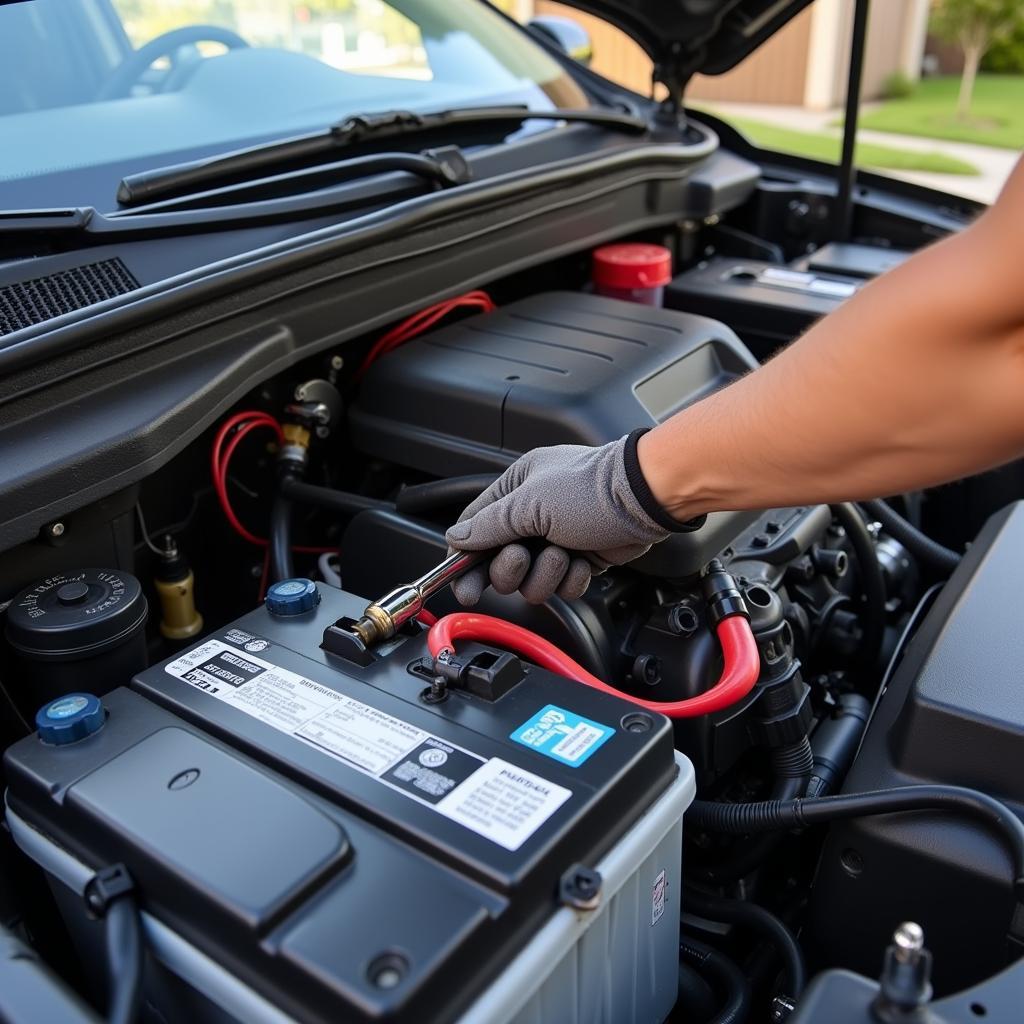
(78, 631)
(634, 271)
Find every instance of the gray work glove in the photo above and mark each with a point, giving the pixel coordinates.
(592, 505)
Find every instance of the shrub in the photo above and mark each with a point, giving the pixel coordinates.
(897, 86)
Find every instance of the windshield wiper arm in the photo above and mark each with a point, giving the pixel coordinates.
(149, 185)
(304, 189)
(445, 167)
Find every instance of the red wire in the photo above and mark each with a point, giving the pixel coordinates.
(420, 322)
(246, 422)
(741, 671)
(427, 617)
(230, 424)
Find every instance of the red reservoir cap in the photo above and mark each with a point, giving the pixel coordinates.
(632, 265)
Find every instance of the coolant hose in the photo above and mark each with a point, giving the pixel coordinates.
(756, 919)
(739, 650)
(930, 551)
(769, 815)
(872, 581)
(724, 976)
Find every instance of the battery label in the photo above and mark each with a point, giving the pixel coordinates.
(562, 735)
(493, 798)
(502, 802)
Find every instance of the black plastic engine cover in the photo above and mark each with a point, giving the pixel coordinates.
(953, 713)
(557, 368)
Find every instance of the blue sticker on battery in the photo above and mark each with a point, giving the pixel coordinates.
(562, 735)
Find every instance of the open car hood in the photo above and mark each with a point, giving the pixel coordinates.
(684, 37)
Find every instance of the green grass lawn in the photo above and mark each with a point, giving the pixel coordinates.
(996, 119)
(821, 146)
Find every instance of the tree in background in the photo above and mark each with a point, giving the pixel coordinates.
(974, 25)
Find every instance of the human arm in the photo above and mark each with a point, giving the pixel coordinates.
(917, 379)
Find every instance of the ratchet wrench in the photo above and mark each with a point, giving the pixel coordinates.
(383, 618)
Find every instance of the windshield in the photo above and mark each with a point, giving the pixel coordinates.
(129, 84)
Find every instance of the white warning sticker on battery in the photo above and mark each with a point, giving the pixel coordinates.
(493, 798)
(503, 802)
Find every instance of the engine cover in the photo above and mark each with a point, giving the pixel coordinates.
(953, 713)
(557, 368)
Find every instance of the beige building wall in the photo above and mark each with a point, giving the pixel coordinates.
(775, 73)
(805, 64)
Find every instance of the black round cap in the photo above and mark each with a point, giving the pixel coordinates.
(76, 615)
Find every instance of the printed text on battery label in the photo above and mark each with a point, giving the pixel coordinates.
(498, 800)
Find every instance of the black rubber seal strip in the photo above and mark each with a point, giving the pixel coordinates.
(642, 491)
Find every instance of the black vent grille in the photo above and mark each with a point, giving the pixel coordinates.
(32, 302)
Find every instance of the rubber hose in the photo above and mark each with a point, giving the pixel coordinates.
(835, 742)
(770, 815)
(344, 502)
(443, 494)
(756, 919)
(281, 540)
(793, 761)
(725, 977)
(696, 999)
(124, 960)
(931, 552)
(871, 580)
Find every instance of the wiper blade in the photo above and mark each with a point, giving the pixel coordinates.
(359, 128)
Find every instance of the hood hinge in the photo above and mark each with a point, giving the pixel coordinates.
(673, 73)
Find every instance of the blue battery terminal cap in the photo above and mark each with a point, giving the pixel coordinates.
(70, 718)
(292, 597)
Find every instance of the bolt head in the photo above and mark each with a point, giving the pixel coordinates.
(56, 529)
(337, 362)
(908, 939)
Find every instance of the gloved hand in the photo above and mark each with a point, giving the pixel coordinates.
(592, 505)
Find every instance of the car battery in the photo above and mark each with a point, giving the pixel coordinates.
(765, 304)
(315, 837)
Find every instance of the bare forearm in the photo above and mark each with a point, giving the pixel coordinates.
(917, 380)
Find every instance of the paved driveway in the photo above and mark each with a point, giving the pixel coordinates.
(993, 164)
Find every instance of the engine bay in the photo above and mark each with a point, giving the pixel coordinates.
(319, 828)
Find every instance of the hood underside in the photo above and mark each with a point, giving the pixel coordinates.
(684, 37)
